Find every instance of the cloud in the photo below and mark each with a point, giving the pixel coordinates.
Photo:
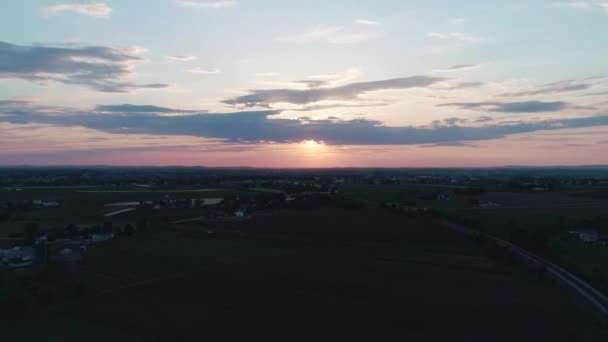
(583, 5)
(462, 66)
(181, 58)
(552, 88)
(511, 107)
(199, 70)
(337, 78)
(575, 4)
(257, 126)
(458, 68)
(452, 144)
(265, 97)
(484, 119)
(130, 108)
(366, 22)
(460, 36)
(457, 21)
(99, 9)
(329, 34)
(601, 93)
(100, 68)
(207, 4)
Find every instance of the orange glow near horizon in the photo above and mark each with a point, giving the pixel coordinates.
(53, 145)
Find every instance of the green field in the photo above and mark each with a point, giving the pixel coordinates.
(551, 213)
(87, 205)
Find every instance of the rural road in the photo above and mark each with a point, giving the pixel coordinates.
(597, 300)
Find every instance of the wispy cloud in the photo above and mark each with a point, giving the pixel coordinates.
(181, 58)
(207, 4)
(575, 4)
(199, 70)
(511, 107)
(330, 34)
(265, 97)
(258, 126)
(106, 69)
(551, 88)
(367, 22)
(457, 21)
(460, 36)
(149, 109)
(583, 5)
(99, 9)
(457, 68)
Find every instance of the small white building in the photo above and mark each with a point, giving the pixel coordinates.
(101, 237)
(45, 204)
(586, 235)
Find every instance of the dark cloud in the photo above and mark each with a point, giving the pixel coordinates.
(6, 103)
(323, 107)
(452, 144)
(484, 119)
(261, 97)
(130, 108)
(511, 107)
(256, 126)
(100, 68)
(468, 85)
(313, 83)
(551, 88)
(453, 121)
(462, 66)
(601, 93)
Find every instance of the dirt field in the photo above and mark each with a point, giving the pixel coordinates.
(310, 298)
(311, 275)
(340, 275)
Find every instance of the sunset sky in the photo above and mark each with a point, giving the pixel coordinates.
(304, 83)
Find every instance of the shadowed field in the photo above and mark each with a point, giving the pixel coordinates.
(390, 278)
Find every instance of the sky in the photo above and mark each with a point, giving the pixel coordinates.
(304, 83)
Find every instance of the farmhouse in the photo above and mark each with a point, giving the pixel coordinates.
(586, 235)
(45, 204)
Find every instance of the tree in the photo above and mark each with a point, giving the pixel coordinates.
(129, 229)
(141, 225)
(519, 237)
(72, 229)
(31, 228)
(107, 227)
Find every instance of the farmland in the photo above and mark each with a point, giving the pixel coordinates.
(260, 256)
(548, 214)
(383, 274)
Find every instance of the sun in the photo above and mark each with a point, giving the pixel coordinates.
(312, 144)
